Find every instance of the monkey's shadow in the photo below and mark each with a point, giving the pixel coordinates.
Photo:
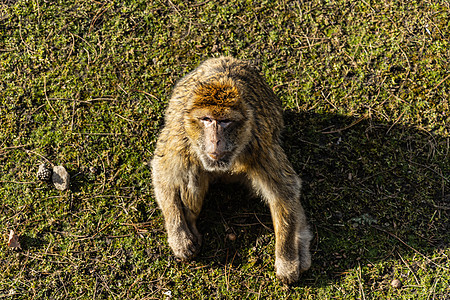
(372, 192)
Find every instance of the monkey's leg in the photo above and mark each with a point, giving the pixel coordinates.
(280, 187)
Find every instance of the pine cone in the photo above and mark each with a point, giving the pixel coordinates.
(44, 173)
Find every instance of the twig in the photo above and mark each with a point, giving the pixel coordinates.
(361, 289)
(131, 121)
(328, 101)
(227, 276)
(102, 99)
(259, 23)
(148, 94)
(100, 133)
(407, 60)
(231, 266)
(73, 46)
(107, 196)
(268, 228)
(226, 263)
(441, 207)
(46, 97)
(407, 265)
(17, 182)
(97, 15)
(73, 114)
(36, 109)
(200, 4)
(12, 147)
(136, 225)
(259, 292)
(346, 127)
(415, 250)
(441, 82)
(40, 155)
(433, 289)
(131, 286)
(175, 8)
(95, 288)
(96, 53)
(104, 227)
(440, 175)
(21, 38)
(396, 121)
(95, 234)
(63, 284)
(377, 174)
(105, 284)
(85, 101)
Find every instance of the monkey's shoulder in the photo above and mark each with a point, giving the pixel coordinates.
(173, 150)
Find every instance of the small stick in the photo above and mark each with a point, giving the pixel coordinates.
(361, 289)
(407, 265)
(415, 250)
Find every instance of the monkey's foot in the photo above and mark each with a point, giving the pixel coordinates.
(288, 271)
(184, 244)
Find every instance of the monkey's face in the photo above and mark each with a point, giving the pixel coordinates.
(217, 122)
(217, 136)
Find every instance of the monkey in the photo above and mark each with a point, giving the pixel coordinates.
(223, 120)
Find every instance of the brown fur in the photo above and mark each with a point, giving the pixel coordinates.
(226, 88)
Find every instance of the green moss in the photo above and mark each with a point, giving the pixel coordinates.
(366, 91)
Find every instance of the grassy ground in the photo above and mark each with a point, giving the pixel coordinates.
(365, 86)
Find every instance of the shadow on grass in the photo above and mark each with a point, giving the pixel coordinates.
(373, 192)
(28, 242)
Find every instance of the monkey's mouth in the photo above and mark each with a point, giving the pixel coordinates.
(216, 163)
(218, 156)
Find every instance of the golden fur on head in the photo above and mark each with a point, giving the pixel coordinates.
(217, 95)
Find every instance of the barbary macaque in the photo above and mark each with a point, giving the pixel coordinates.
(223, 120)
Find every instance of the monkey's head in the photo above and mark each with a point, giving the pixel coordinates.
(218, 123)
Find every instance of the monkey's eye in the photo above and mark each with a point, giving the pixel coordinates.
(206, 119)
(225, 123)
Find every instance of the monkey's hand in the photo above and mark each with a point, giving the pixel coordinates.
(288, 271)
(185, 245)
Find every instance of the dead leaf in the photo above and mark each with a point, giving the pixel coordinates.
(13, 240)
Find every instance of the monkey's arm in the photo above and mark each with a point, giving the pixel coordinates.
(183, 236)
(274, 179)
(179, 187)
